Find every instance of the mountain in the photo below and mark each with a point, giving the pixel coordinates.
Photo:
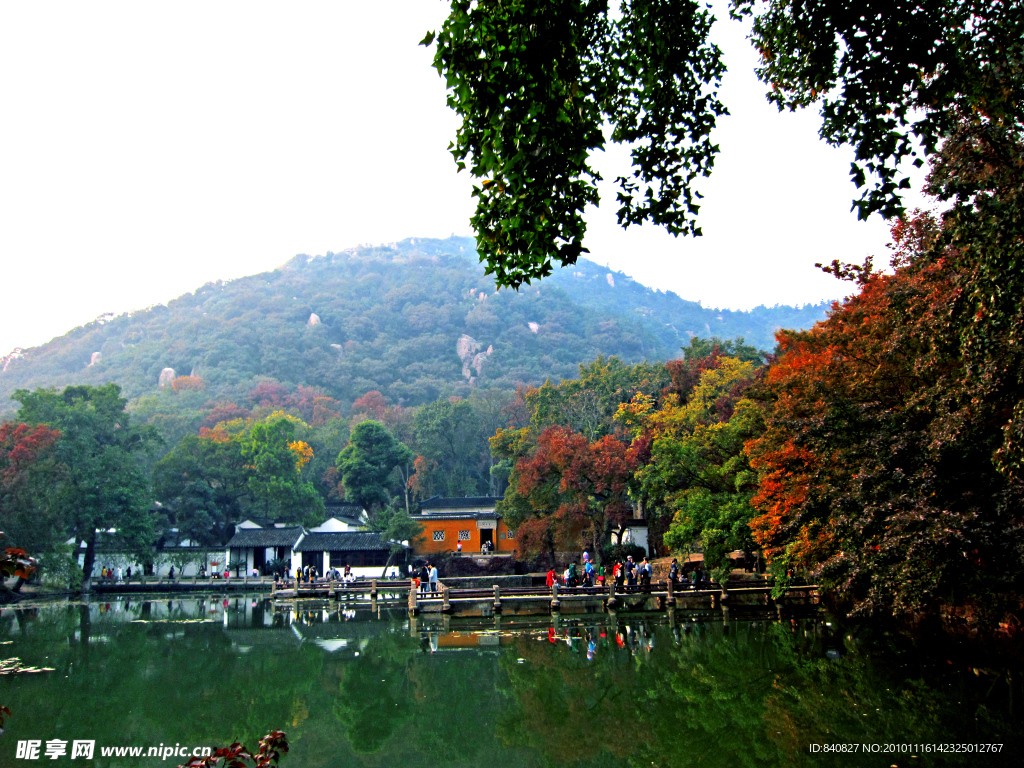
(414, 320)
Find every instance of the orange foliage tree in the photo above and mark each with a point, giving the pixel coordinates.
(568, 491)
(876, 468)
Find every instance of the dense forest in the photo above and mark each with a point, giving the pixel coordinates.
(375, 376)
(413, 320)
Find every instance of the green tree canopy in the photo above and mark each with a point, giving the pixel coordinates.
(103, 486)
(276, 459)
(536, 82)
(367, 463)
(204, 484)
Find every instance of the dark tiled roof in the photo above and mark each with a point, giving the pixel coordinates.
(468, 502)
(350, 541)
(265, 537)
(343, 508)
(426, 518)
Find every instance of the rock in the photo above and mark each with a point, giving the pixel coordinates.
(533, 327)
(314, 319)
(96, 357)
(610, 279)
(467, 349)
(338, 347)
(8, 359)
(166, 377)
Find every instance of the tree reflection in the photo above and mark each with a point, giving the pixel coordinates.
(758, 695)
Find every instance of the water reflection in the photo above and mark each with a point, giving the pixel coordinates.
(371, 687)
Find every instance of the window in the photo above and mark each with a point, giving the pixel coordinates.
(463, 535)
(439, 536)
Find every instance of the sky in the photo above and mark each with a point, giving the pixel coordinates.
(149, 148)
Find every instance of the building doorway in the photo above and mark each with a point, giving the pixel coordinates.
(486, 537)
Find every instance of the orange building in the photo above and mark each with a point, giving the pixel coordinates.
(471, 520)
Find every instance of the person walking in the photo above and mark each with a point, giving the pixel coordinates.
(458, 546)
(424, 575)
(630, 572)
(552, 578)
(645, 575)
(673, 571)
(433, 579)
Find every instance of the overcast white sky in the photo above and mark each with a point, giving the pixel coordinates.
(147, 148)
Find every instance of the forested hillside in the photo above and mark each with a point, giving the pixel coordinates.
(414, 320)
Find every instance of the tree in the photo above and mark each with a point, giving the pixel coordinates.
(698, 475)
(881, 469)
(447, 432)
(573, 490)
(366, 464)
(397, 528)
(204, 485)
(102, 486)
(28, 470)
(702, 348)
(276, 459)
(373, 404)
(889, 75)
(534, 83)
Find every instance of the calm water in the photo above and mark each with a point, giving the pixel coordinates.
(363, 689)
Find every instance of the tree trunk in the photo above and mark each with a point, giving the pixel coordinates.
(89, 561)
(618, 535)
(388, 564)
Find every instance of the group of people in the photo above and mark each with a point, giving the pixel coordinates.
(587, 575)
(424, 577)
(630, 573)
(109, 573)
(310, 575)
(696, 578)
(626, 573)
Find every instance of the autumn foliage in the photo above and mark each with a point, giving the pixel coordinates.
(574, 488)
(187, 384)
(876, 467)
(270, 750)
(21, 445)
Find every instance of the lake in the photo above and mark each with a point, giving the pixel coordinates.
(363, 688)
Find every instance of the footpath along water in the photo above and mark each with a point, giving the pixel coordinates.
(596, 689)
